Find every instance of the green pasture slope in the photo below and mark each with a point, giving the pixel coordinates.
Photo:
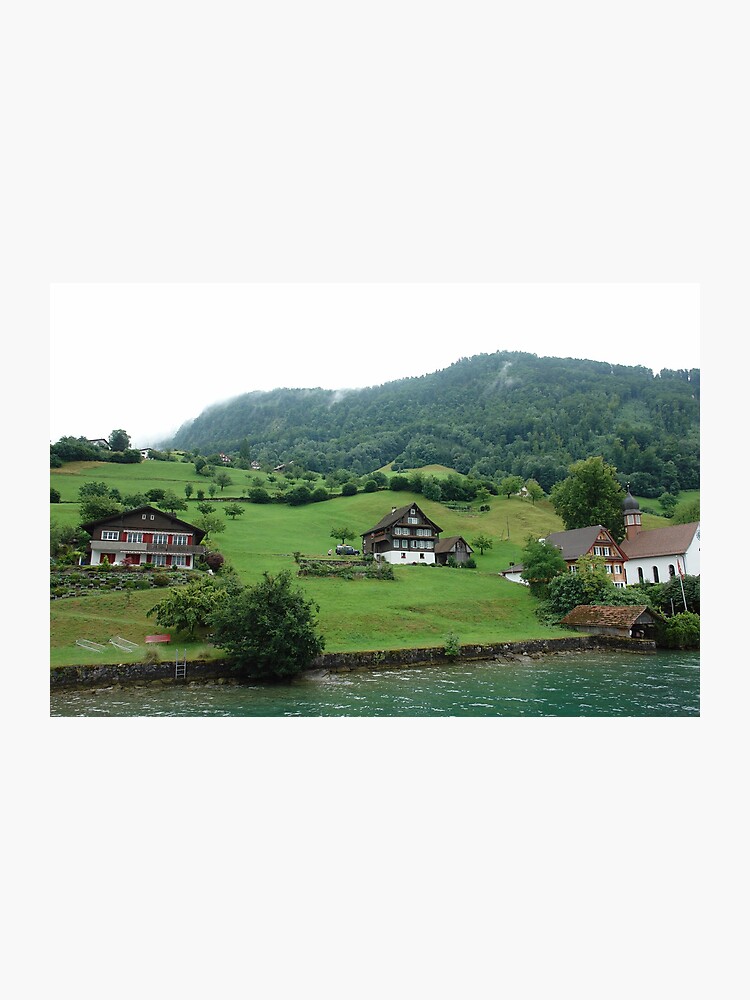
(420, 608)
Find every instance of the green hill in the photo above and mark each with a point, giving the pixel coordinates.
(489, 415)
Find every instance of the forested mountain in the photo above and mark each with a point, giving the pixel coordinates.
(507, 413)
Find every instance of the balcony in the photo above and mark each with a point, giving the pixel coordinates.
(147, 548)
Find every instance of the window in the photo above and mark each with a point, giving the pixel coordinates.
(179, 560)
(135, 536)
(640, 575)
(412, 520)
(110, 536)
(397, 543)
(160, 538)
(608, 569)
(180, 539)
(656, 573)
(423, 531)
(159, 559)
(671, 570)
(573, 569)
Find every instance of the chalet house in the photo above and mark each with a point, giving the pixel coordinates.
(144, 535)
(99, 443)
(594, 540)
(455, 546)
(636, 622)
(406, 535)
(657, 555)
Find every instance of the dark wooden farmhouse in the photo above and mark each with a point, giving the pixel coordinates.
(406, 535)
(144, 535)
(635, 622)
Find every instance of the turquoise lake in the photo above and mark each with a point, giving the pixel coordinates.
(577, 684)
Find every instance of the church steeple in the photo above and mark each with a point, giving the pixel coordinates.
(632, 514)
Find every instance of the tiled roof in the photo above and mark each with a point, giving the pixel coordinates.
(576, 542)
(607, 615)
(446, 544)
(396, 515)
(672, 541)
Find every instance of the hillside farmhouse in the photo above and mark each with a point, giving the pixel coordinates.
(406, 535)
(144, 535)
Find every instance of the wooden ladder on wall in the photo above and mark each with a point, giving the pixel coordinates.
(180, 666)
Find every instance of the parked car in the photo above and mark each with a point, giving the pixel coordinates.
(346, 550)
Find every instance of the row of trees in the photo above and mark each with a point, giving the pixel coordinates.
(81, 449)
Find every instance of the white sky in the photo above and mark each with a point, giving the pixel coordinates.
(147, 357)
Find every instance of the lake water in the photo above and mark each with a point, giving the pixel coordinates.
(578, 684)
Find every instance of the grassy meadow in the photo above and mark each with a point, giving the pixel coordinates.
(420, 608)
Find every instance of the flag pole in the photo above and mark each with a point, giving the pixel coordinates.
(682, 586)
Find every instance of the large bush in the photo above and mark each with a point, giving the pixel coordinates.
(683, 631)
(268, 629)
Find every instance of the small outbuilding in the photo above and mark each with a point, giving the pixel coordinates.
(456, 547)
(635, 621)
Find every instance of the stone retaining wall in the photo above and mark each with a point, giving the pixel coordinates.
(107, 675)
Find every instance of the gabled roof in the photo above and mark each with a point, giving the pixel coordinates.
(119, 520)
(395, 516)
(609, 615)
(672, 541)
(578, 541)
(447, 544)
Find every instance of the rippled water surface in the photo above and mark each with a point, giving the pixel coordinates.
(580, 684)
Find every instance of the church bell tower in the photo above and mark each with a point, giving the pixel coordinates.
(631, 512)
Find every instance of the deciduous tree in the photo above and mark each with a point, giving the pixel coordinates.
(268, 629)
(541, 564)
(590, 495)
(233, 510)
(188, 609)
(482, 542)
(119, 440)
(344, 533)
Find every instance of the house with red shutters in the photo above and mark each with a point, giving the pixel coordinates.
(144, 535)
(404, 536)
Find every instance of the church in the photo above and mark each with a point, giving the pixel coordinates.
(657, 555)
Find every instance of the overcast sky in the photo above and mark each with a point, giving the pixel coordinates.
(148, 357)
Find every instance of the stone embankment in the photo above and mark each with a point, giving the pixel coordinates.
(199, 671)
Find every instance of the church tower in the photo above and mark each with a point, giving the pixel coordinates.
(631, 512)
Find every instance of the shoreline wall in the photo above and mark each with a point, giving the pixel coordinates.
(198, 671)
